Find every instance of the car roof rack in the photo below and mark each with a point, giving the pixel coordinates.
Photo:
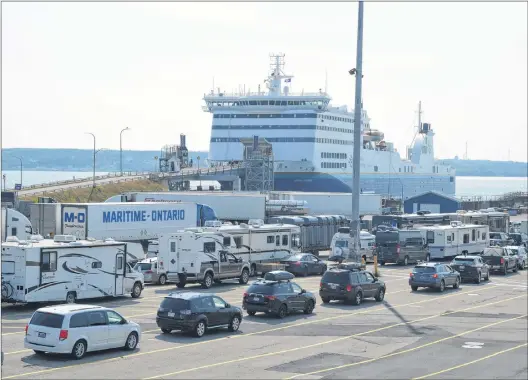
(278, 275)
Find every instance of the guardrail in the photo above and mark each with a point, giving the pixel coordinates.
(81, 186)
(190, 173)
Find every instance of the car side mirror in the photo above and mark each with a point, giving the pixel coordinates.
(227, 306)
(303, 291)
(124, 322)
(375, 280)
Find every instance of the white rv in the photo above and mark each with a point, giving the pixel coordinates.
(455, 239)
(16, 224)
(63, 269)
(200, 256)
(341, 243)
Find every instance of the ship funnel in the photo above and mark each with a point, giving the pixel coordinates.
(182, 140)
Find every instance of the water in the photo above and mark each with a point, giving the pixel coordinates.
(465, 186)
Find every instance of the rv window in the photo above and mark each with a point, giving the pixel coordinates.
(14, 231)
(173, 246)
(119, 263)
(238, 241)
(8, 267)
(227, 240)
(284, 239)
(96, 318)
(413, 242)
(47, 320)
(277, 240)
(209, 247)
(478, 234)
(430, 237)
(483, 236)
(49, 262)
(97, 264)
(466, 239)
(473, 235)
(79, 320)
(270, 240)
(449, 238)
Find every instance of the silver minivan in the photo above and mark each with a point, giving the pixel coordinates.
(149, 268)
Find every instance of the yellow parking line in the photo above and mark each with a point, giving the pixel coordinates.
(472, 362)
(405, 351)
(361, 312)
(320, 343)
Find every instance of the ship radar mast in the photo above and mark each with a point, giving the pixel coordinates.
(274, 80)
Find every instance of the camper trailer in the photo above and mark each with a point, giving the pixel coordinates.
(15, 224)
(342, 242)
(455, 239)
(200, 256)
(65, 269)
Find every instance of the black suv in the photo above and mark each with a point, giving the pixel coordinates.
(196, 312)
(275, 294)
(350, 284)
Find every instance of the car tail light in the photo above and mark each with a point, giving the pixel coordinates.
(26, 329)
(411, 274)
(435, 275)
(502, 260)
(297, 263)
(321, 285)
(349, 288)
(245, 295)
(398, 249)
(270, 298)
(63, 335)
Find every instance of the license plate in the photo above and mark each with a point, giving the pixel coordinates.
(256, 299)
(462, 267)
(333, 286)
(42, 335)
(170, 314)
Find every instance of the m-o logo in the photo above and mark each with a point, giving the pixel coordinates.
(72, 217)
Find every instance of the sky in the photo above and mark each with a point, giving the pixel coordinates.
(72, 68)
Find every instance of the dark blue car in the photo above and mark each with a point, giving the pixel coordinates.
(434, 275)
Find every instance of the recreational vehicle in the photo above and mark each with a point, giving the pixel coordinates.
(456, 239)
(342, 242)
(65, 269)
(200, 256)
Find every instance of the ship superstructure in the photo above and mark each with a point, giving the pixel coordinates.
(312, 141)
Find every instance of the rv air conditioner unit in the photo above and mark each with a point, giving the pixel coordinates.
(64, 238)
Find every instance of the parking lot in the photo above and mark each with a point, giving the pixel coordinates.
(474, 332)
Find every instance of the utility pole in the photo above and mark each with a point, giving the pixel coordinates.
(94, 152)
(356, 167)
(21, 169)
(121, 149)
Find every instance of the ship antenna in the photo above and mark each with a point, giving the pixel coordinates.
(420, 116)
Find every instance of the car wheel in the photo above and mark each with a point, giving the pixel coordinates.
(505, 270)
(515, 268)
(414, 288)
(166, 331)
(70, 297)
(181, 284)
(136, 290)
(283, 311)
(309, 308)
(253, 271)
(406, 260)
(235, 323)
(199, 329)
(325, 299)
(323, 270)
(381, 295)
(442, 286)
(456, 285)
(479, 276)
(208, 281)
(487, 276)
(251, 312)
(382, 263)
(523, 265)
(244, 277)
(132, 341)
(79, 349)
(358, 298)
(162, 280)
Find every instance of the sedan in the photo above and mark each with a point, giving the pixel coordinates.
(304, 264)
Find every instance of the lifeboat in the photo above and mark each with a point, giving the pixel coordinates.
(373, 135)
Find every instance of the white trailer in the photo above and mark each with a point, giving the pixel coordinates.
(15, 224)
(233, 206)
(332, 203)
(130, 222)
(64, 269)
(342, 242)
(455, 239)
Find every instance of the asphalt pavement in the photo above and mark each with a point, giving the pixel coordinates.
(475, 332)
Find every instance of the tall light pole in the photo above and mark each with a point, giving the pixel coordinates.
(21, 169)
(358, 71)
(94, 152)
(121, 149)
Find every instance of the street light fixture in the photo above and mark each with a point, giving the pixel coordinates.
(121, 149)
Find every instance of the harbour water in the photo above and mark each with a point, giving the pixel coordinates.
(465, 186)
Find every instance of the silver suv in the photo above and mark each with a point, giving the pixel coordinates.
(149, 268)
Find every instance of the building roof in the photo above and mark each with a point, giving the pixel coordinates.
(438, 193)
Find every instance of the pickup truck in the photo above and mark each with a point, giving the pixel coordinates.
(500, 260)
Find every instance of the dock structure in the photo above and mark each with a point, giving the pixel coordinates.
(258, 163)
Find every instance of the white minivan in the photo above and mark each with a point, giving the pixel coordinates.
(77, 329)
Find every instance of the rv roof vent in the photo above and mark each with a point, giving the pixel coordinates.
(64, 238)
(24, 242)
(213, 223)
(12, 239)
(256, 222)
(108, 240)
(91, 239)
(456, 223)
(243, 225)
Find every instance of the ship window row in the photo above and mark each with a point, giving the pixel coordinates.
(288, 139)
(333, 165)
(337, 118)
(334, 129)
(310, 115)
(341, 156)
(333, 141)
(239, 127)
(408, 169)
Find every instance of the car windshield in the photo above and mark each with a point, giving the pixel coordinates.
(423, 269)
(463, 260)
(261, 289)
(143, 266)
(341, 277)
(294, 258)
(174, 304)
(495, 236)
(47, 320)
(341, 243)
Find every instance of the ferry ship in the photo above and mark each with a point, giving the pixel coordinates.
(312, 142)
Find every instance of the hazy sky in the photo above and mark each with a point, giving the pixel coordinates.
(70, 68)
